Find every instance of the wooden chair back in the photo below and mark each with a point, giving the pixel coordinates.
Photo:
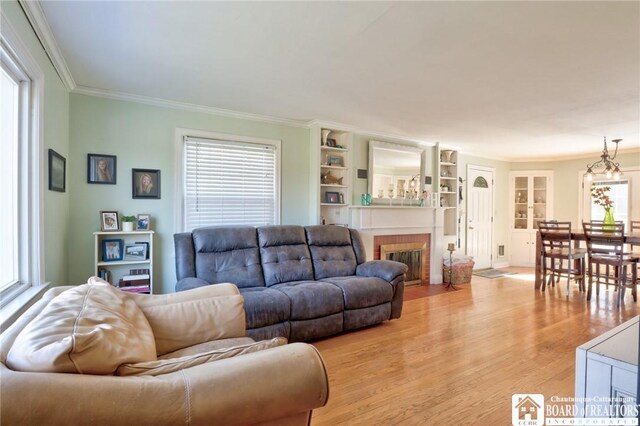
(604, 240)
(555, 235)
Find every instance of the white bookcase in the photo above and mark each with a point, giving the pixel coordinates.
(120, 268)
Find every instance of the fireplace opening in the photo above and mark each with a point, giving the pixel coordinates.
(411, 254)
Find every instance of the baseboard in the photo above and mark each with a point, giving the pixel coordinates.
(498, 265)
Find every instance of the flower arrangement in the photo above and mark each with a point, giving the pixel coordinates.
(600, 195)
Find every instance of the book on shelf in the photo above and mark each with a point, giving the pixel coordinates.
(136, 277)
(137, 289)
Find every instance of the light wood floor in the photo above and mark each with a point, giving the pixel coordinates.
(456, 358)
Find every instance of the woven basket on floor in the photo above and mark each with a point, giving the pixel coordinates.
(461, 272)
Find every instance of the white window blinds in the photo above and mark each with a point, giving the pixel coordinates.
(229, 183)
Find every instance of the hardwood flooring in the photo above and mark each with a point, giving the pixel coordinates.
(456, 358)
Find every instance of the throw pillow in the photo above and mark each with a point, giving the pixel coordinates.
(89, 329)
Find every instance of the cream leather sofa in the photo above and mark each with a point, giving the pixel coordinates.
(276, 386)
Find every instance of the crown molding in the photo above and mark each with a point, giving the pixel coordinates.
(373, 134)
(36, 17)
(148, 100)
(597, 153)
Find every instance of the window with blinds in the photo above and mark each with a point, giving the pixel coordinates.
(230, 183)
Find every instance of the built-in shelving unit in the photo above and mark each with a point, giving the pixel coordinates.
(447, 166)
(335, 176)
(530, 201)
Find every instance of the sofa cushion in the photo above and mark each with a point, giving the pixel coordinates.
(89, 329)
(331, 251)
(312, 299)
(228, 254)
(210, 313)
(265, 306)
(362, 292)
(171, 365)
(285, 254)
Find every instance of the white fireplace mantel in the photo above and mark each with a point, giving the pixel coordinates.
(371, 221)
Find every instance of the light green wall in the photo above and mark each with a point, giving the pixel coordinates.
(56, 136)
(143, 136)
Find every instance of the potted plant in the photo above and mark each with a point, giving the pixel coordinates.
(127, 222)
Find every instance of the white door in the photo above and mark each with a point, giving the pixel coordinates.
(480, 215)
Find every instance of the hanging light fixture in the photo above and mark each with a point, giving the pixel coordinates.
(610, 167)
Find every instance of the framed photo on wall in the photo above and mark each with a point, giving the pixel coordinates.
(101, 168)
(109, 221)
(145, 183)
(57, 171)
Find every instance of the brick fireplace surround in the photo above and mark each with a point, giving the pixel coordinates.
(379, 240)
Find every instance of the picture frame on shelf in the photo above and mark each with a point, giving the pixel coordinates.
(145, 183)
(335, 160)
(57, 172)
(143, 223)
(101, 169)
(112, 250)
(331, 197)
(331, 143)
(109, 221)
(136, 251)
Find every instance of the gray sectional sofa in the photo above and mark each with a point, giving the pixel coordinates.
(301, 283)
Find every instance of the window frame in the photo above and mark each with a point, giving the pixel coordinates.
(630, 174)
(180, 137)
(17, 60)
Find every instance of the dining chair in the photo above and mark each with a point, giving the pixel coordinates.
(558, 247)
(605, 247)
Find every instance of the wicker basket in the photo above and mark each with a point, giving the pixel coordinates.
(461, 272)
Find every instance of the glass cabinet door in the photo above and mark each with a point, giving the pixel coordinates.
(521, 202)
(539, 200)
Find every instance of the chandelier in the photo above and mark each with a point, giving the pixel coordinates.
(610, 167)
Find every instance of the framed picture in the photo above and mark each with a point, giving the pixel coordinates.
(331, 142)
(109, 221)
(57, 171)
(111, 250)
(135, 251)
(336, 160)
(332, 197)
(146, 244)
(101, 168)
(145, 183)
(143, 222)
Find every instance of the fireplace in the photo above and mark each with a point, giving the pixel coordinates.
(411, 254)
(411, 249)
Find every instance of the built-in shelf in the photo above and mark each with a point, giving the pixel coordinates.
(324, 166)
(333, 204)
(331, 185)
(331, 148)
(123, 262)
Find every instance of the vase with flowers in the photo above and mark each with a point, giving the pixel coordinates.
(600, 196)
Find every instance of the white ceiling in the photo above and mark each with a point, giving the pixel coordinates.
(514, 80)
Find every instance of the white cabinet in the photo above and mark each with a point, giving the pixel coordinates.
(530, 201)
(125, 254)
(607, 372)
(448, 191)
(335, 176)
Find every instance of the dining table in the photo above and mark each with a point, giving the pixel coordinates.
(577, 235)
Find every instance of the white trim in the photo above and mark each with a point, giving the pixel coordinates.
(38, 20)
(18, 306)
(32, 171)
(492, 170)
(147, 100)
(182, 133)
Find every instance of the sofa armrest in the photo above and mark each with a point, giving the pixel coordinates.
(190, 283)
(247, 389)
(387, 270)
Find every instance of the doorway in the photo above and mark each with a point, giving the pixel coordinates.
(480, 200)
